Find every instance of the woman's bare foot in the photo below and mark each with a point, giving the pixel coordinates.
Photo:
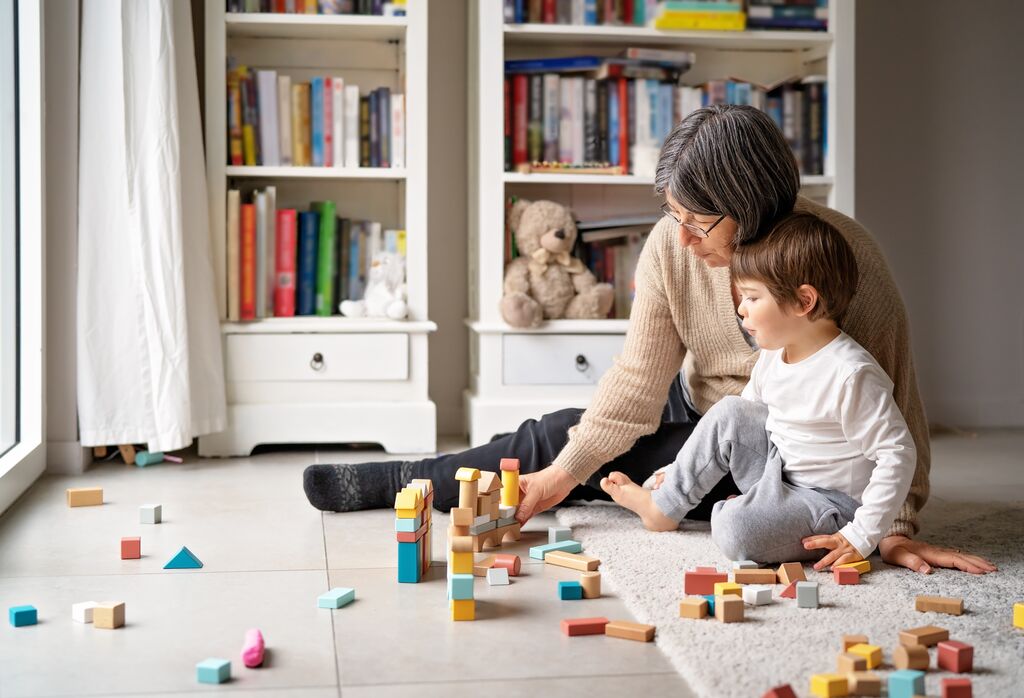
(627, 493)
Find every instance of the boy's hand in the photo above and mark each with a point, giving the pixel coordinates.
(842, 551)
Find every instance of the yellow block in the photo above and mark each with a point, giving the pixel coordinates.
(85, 496)
(723, 588)
(409, 498)
(828, 685)
(462, 563)
(872, 653)
(509, 488)
(463, 609)
(467, 474)
(405, 514)
(862, 566)
(1018, 615)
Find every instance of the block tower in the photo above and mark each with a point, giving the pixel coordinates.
(481, 495)
(460, 546)
(413, 530)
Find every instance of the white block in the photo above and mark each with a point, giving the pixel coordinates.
(497, 575)
(150, 513)
(506, 512)
(82, 612)
(757, 594)
(556, 534)
(481, 520)
(745, 565)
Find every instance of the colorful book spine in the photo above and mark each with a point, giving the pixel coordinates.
(316, 118)
(623, 124)
(247, 263)
(552, 114)
(305, 296)
(270, 247)
(398, 130)
(535, 125)
(235, 149)
(519, 120)
(565, 120)
(261, 257)
(284, 118)
(300, 124)
(364, 131)
(250, 156)
(267, 105)
(613, 124)
(233, 255)
(284, 287)
(328, 122)
(326, 256)
(373, 112)
(384, 125)
(508, 123)
(338, 121)
(352, 126)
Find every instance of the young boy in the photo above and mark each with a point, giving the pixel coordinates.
(815, 443)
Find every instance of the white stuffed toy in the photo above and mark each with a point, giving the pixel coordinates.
(385, 290)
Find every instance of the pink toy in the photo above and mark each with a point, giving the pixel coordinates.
(173, 459)
(252, 650)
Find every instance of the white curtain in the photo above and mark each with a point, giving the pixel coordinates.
(149, 353)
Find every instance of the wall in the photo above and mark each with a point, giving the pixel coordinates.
(939, 152)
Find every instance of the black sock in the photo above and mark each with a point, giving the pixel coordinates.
(355, 486)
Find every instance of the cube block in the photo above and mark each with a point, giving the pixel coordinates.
(693, 607)
(849, 662)
(150, 513)
(757, 594)
(131, 548)
(957, 657)
(20, 616)
(828, 685)
(408, 525)
(462, 516)
(872, 653)
(729, 609)
(82, 612)
(807, 594)
(336, 598)
(956, 688)
(460, 587)
(497, 576)
(556, 534)
(846, 575)
(108, 615)
(906, 683)
(461, 563)
(584, 626)
(570, 591)
(462, 609)
(864, 683)
(213, 670)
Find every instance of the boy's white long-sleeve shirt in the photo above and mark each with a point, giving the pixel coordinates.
(835, 423)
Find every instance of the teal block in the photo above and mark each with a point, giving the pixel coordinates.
(144, 458)
(460, 587)
(409, 562)
(711, 604)
(336, 598)
(570, 591)
(21, 616)
(537, 552)
(408, 525)
(213, 670)
(906, 683)
(184, 560)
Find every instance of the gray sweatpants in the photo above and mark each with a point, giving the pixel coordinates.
(768, 521)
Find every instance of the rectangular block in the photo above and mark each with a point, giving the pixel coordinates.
(460, 563)
(510, 488)
(82, 612)
(570, 591)
(404, 537)
(790, 572)
(538, 552)
(926, 635)
(506, 512)
(940, 604)
(710, 598)
(503, 522)
(845, 576)
(150, 513)
(336, 598)
(483, 528)
(906, 683)
(955, 656)
(848, 662)
(872, 653)
(462, 609)
(701, 581)
(757, 594)
(862, 566)
(591, 583)
(481, 520)
(584, 626)
(20, 616)
(480, 567)
(497, 576)
(807, 594)
(574, 561)
(746, 565)
(693, 607)
(1018, 615)
(629, 631)
(85, 496)
(727, 588)
(213, 671)
(752, 576)
(729, 609)
(864, 683)
(409, 555)
(828, 685)
(460, 587)
(557, 534)
(408, 525)
(108, 615)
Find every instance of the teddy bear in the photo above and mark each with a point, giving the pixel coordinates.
(545, 282)
(385, 290)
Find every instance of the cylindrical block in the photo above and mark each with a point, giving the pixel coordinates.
(467, 494)
(591, 582)
(144, 458)
(912, 657)
(510, 488)
(509, 562)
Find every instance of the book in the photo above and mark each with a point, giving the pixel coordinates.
(267, 105)
(284, 118)
(373, 115)
(384, 125)
(270, 247)
(247, 263)
(535, 119)
(508, 123)
(351, 126)
(364, 131)
(285, 263)
(234, 93)
(519, 119)
(300, 124)
(326, 255)
(340, 264)
(305, 293)
(316, 118)
(705, 20)
(552, 115)
(567, 64)
(233, 255)
(249, 151)
(338, 121)
(260, 199)
(328, 122)
(398, 130)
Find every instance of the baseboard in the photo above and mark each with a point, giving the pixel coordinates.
(1005, 413)
(66, 458)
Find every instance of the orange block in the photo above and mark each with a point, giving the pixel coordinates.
(629, 631)
(584, 626)
(131, 548)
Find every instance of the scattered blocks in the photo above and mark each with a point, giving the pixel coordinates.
(252, 648)
(783, 691)
(131, 548)
(574, 561)
(584, 626)
(702, 580)
(729, 609)
(848, 662)
(956, 688)
(846, 575)
(82, 612)
(462, 610)
(629, 631)
(926, 635)
(497, 576)
(336, 598)
(591, 583)
(955, 656)
(789, 592)
(570, 591)
(862, 566)
(556, 534)
(510, 562)
(20, 616)
(747, 576)
(791, 572)
(1018, 615)
(460, 587)
(757, 594)
(851, 640)
(910, 657)
(872, 653)
(906, 683)
(213, 670)
(828, 685)
(150, 514)
(693, 607)
(864, 683)
(807, 594)
(941, 604)
(184, 560)
(728, 588)
(538, 552)
(85, 496)
(108, 615)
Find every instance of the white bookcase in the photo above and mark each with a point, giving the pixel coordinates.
(519, 374)
(326, 379)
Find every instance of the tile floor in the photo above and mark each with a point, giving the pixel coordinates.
(267, 555)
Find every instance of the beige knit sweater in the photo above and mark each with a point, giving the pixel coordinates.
(684, 317)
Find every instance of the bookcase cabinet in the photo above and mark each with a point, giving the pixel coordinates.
(519, 374)
(326, 379)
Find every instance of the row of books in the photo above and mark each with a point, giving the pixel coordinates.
(611, 250)
(285, 262)
(809, 15)
(325, 122)
(589, 12)
(391, 8)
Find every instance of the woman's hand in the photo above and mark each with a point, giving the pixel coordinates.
(542, 490)
(842, 551)
(921, 557)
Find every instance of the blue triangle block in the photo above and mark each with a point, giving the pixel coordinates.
(184, 560)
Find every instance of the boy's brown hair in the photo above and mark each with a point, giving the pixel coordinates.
(801, 249)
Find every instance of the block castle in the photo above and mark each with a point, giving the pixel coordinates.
(413, 530)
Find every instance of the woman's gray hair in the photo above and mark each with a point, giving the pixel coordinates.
(730, 159)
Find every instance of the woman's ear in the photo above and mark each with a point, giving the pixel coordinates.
(807, 299)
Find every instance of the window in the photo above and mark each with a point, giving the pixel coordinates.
(9, 388)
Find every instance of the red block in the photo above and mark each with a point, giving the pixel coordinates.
(956, 688)
(846, 575)
(783, 691)
(509, 464)
(584, 626)
(701, 581)
(131, 548)
(509, 562)
(789, 592)
(406, 537)
(956, 656)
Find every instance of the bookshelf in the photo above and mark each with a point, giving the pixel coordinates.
(310, 379)
(520, 374)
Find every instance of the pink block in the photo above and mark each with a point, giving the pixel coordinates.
(173, 459)
(252, 650)
(509, 464)
(846, 575)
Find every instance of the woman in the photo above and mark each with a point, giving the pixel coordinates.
(727, 175)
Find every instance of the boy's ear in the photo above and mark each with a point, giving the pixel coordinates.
(807, 299)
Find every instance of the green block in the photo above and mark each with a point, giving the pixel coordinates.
(538, 552)
(336, 598)
(213, 670)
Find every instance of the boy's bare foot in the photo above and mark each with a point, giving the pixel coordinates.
(627, 493)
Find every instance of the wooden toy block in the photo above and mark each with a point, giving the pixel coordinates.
(693, 607)
(462, 544)
(405, 537)
(480, 529)
(807, 594)
(467, 474)
(591, 582)
(749, 576)
(336, 598)
(131, 548)
(84, 496)
(127, 453)
(82, 612)
(851, 640)
(462, 516)
(108, 615)
(710, 598)
(150, 513)
(509, 561)
(464, 609)
(497, 576)
(408, 525)
(489, 482)
(702, 581)
(789, 592)
(828, 685)
(791, 572)
(783, 691)
(461, 563)
(574, 561)
(185, 559)
(846, 575)
(1018, 615)
(460, 587)
(757, 594)
(729, 609)
(480, 567)
(408, 503)
(906, 683)
(926, 635)
(556, 534)
(872, 653)
(864, 683)
(468, 491)
(144, 458)
(494, 504)
(213, 670)
(506, 512)
(538, 552)
(848, 662)
(409, 555)
(940, 604)
(584, 626)
(726, 588)
(629, 631)
(496, 536)
(862, 566)
(508, 521)
(956, 688)
(955, 656)
(745, 565)
(481, 519)
(20, 616)
(509, 465)
(99, 451)
(510, 487)
(457, 531)
(570, 591)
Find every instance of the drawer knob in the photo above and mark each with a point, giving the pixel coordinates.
(317, 362)
(581, 363)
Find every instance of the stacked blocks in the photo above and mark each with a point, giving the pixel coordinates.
(955, 656)
(807, 594)
(491, 504)
(956, 688)
(847, 663)
(20, 616)
(461, 601)
(862, 566)
(413, 527)
(829, 685)
(213, 671)
(701, 581)
(336, 598)
(131, 548)
(570, 591)
(509, 482)
(906, 683)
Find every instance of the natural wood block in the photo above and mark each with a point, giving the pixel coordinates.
(489, 482)
(575, 561)
(99, 451)
(910, 657)
(108, 615)
(872, 653)
(467, 494)
(851, 640)
(584, 626)
(693, 607)
(926, 636)
(480, 567)
(629, 631)
(955, 656)
(848, 662)
(940, 604)
(702, 580)
(467, 474)
(462, 516)
(85, 496)
(790, 572)
(729, 609)
(828, 685)
(749, 576)
(864, 683)
(131, 548)
(462, 544)
(591, 582)
(128, 453)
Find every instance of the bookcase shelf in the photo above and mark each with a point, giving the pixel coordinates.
(291, 172)
(627, 180)
(625, 36)
(301, 26)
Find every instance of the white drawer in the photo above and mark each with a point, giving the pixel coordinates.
(294, 357)
(558, 359)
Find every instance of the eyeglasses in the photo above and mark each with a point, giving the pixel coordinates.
(690, 227)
